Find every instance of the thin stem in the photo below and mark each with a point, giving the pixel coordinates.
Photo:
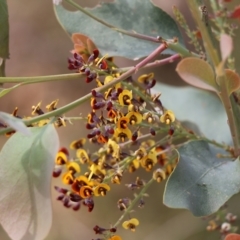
(81, 100)
(136, 199)
(205, 28)
(228, 107)
(156, 63)
(37, 79)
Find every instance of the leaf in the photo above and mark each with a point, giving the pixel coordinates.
(4, 33)
(232, 79)
(232, 236)
(198, 73)
(226, 47)
(4, 91)
(202, 182)
(25, 181)
(15, 123)
(132, 15)
(200, 107)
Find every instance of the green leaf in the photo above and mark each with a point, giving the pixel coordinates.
(232, 79)
(26, 165)
(201, 108)
(198, 73)
(4, 91)
(132, 15)
(15, 123)
(202, 182)
(4, 32)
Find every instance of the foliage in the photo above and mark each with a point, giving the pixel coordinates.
(187, 136)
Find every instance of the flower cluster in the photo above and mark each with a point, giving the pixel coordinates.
(124, 122)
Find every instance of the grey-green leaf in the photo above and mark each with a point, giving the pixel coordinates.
(26, 165)
(132, 15)
(202, 108)
(202, 182)
(15, 123)
(4, 30)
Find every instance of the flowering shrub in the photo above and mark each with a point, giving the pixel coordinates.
(133, 125)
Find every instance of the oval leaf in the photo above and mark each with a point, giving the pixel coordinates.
(197, 73)
(128, 15)
(202, 182)
(232, 79)
(232, 236)
(26, 165)
(4, 33)
(15, 123)
(226, 46)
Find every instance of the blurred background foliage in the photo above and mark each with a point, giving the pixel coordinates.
(39, 46)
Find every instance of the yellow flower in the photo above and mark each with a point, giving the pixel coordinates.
(159, 175)
(125, 97)
(85, 192)
(169, 168)
(101, 189)
(97, 170)
(116, 178)
(82, 156)
(131, 224)
(73, 167)
(145, 77)
(133, 166)
(161, 157)
(122, 123)
(68, 178)
(149, 117)
(108, 93)
(113, 148)
(168, 117)
(112, 114)
(140, 153)
(52, 106)
(60, 122)
(80, 182)
(134, 117)
(78, 143)
(149, 161)
(36, 110)
(110, 78)
(61, 157)
(122, 134)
